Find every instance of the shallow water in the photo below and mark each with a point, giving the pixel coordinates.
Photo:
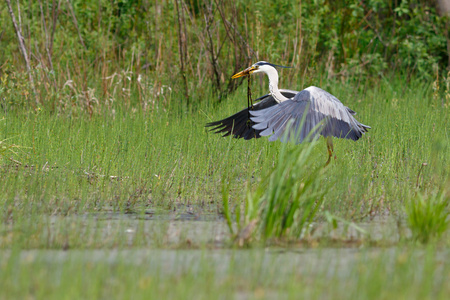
(161, 245)
(331, 262)
(190, 229)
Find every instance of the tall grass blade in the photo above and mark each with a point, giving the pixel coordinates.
(428, 216)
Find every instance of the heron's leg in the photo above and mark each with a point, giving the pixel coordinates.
(330, 149)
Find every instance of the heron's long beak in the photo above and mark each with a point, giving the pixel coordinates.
(246, 72)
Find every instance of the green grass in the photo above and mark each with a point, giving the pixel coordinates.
(110, 186)
(428, 217)
(71, 173)
(286, 199)
(401, 273)
(128, 159)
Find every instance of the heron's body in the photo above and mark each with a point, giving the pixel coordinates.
(291, 115)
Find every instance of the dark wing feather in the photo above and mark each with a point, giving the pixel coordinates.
(312, 112)
(239, 124)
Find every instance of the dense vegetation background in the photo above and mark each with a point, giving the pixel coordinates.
(85, 55)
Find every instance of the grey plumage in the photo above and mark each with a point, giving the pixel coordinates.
(239, 124)
(325, 115)
(311, 112)
(288, 115)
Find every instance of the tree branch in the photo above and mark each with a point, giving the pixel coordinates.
(182, 49)
(75, 22)
(22, 49)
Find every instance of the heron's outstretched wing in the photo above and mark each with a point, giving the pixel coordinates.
(240, 125)
(311, 112)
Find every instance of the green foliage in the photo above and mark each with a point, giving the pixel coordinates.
(112, 146)
(428, 216)
(82, 45)
(164, 153)
(286, 199)
(290, 194)
(6, 147)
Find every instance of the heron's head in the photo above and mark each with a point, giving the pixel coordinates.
(259, 67)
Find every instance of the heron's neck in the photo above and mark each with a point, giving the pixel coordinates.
(273, 86)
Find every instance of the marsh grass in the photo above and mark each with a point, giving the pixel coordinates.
(6, 147)
(288, 197)
(117, 135)
(428, 216)
(370, 177)
(129, 158)
(74, 168)
(255, 274)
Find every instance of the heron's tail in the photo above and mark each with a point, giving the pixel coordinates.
(364, 128)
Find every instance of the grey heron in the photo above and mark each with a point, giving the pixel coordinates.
(291, 115)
